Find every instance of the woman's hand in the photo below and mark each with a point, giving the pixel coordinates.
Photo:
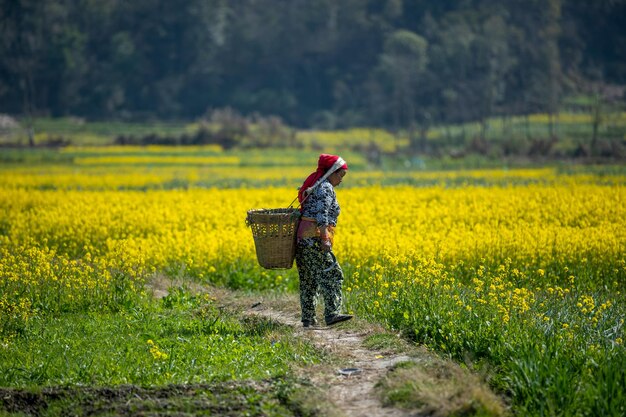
(325, 236)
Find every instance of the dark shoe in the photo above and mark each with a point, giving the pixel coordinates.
(337, 319)
(309, 323)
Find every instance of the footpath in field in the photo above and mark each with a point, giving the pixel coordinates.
(362, 378)
(346, 386)
(367, 366)
(350, 388)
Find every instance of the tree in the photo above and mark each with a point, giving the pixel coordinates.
(538, 77)
(390, 63)
(400, 66)
(22, 48)
(494, 63)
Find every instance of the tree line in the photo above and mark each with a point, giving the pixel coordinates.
(399, 64)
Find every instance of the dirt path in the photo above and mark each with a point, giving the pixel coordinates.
(438, 387)
(351, 386)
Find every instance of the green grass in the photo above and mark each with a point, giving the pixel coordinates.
(439, 388)
(385, 342)
(182, 353)
(33, 157)
(94, 132)
(181, 339)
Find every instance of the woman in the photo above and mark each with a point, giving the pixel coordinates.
(318, 268)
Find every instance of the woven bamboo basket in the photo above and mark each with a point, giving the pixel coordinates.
(274, 232)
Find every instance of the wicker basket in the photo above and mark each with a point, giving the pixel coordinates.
(274, 232)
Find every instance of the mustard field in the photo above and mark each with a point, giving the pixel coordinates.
(520, 274)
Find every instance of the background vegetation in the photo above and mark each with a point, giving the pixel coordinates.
(399, 65)
(514, 141)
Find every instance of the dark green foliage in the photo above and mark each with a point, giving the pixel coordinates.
(320, 63)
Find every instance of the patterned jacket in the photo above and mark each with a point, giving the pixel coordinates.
(322, 205)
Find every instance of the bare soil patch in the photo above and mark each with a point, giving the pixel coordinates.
(223, 399)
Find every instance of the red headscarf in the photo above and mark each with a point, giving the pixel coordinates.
(324, 163)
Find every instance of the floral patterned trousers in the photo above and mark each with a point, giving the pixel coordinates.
(319, 271)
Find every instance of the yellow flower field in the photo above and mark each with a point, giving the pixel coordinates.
(532, 263)
(202, 231)
(532, 224)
